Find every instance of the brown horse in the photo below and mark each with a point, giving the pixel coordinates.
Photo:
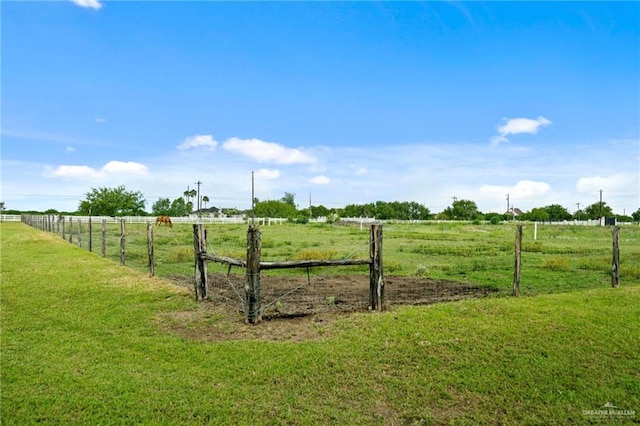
(164, 219)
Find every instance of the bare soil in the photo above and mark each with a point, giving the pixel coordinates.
(300, 307)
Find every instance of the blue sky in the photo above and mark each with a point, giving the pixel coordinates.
(345, 103)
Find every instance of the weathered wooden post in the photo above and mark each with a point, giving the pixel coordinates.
(63, 233)
(104, 238)
(79, 232)
(200, 249)
(122, 242)
(376, 280)
(90, 238)
(150, 249)
(518, 261)
(615, 267)
(252, 285)
(70, 230)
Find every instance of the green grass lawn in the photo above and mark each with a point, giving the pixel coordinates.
(85, 341)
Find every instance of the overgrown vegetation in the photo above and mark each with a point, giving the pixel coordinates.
(85, 341)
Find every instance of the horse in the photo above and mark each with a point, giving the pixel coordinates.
(164, 219)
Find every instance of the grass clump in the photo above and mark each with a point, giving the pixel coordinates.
(556, 264)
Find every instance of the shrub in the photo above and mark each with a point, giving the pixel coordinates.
(421, 271)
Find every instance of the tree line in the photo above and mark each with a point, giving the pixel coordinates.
(119, 201)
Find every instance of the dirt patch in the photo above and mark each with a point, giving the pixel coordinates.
(301, 308)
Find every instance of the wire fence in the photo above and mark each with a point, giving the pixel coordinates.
(423, 263)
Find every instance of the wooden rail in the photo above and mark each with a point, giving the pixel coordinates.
(253, 265)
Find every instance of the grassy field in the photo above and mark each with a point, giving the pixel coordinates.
(85, 341)
(561, 258)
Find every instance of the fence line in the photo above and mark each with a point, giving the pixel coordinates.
(254, 307)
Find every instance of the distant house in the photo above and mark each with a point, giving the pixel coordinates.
(514, 211)
(211, 211)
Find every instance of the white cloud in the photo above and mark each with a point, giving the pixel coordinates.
(91, 4)
(516, 126)
(128, 168)
(101, 120)
(320, 180)
(593, 184)
(198, 141)
(85, 172)
(262, 151)
(71, 172)
(69, 149)
(524, 190)
(267, 174)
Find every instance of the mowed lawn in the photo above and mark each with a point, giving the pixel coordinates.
(86, 341)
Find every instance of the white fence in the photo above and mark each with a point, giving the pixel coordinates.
(279, 221)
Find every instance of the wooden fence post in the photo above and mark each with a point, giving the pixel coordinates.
(90, 232)
(252, 284)
(150, 249)
(79, 233)
(122, 242)
(70, 230)
(518, 261)
(376, 280)
(615, 267)
(104, 238)
(63, 222)
(200, 250)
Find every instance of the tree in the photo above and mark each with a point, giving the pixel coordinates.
(557, 213)
(162, 207)
(593, 211)
(112, 202)
(188, 195)
(205, 200)
(539, 214)
(320, 211)
(636, 215)
(289, 198)
(275, 208)
(462, 210)
(179, 208)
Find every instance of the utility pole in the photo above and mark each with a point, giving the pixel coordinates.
(253, 200)
(578, 211)
(310, 214)
(507, 203)
(198, 203)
